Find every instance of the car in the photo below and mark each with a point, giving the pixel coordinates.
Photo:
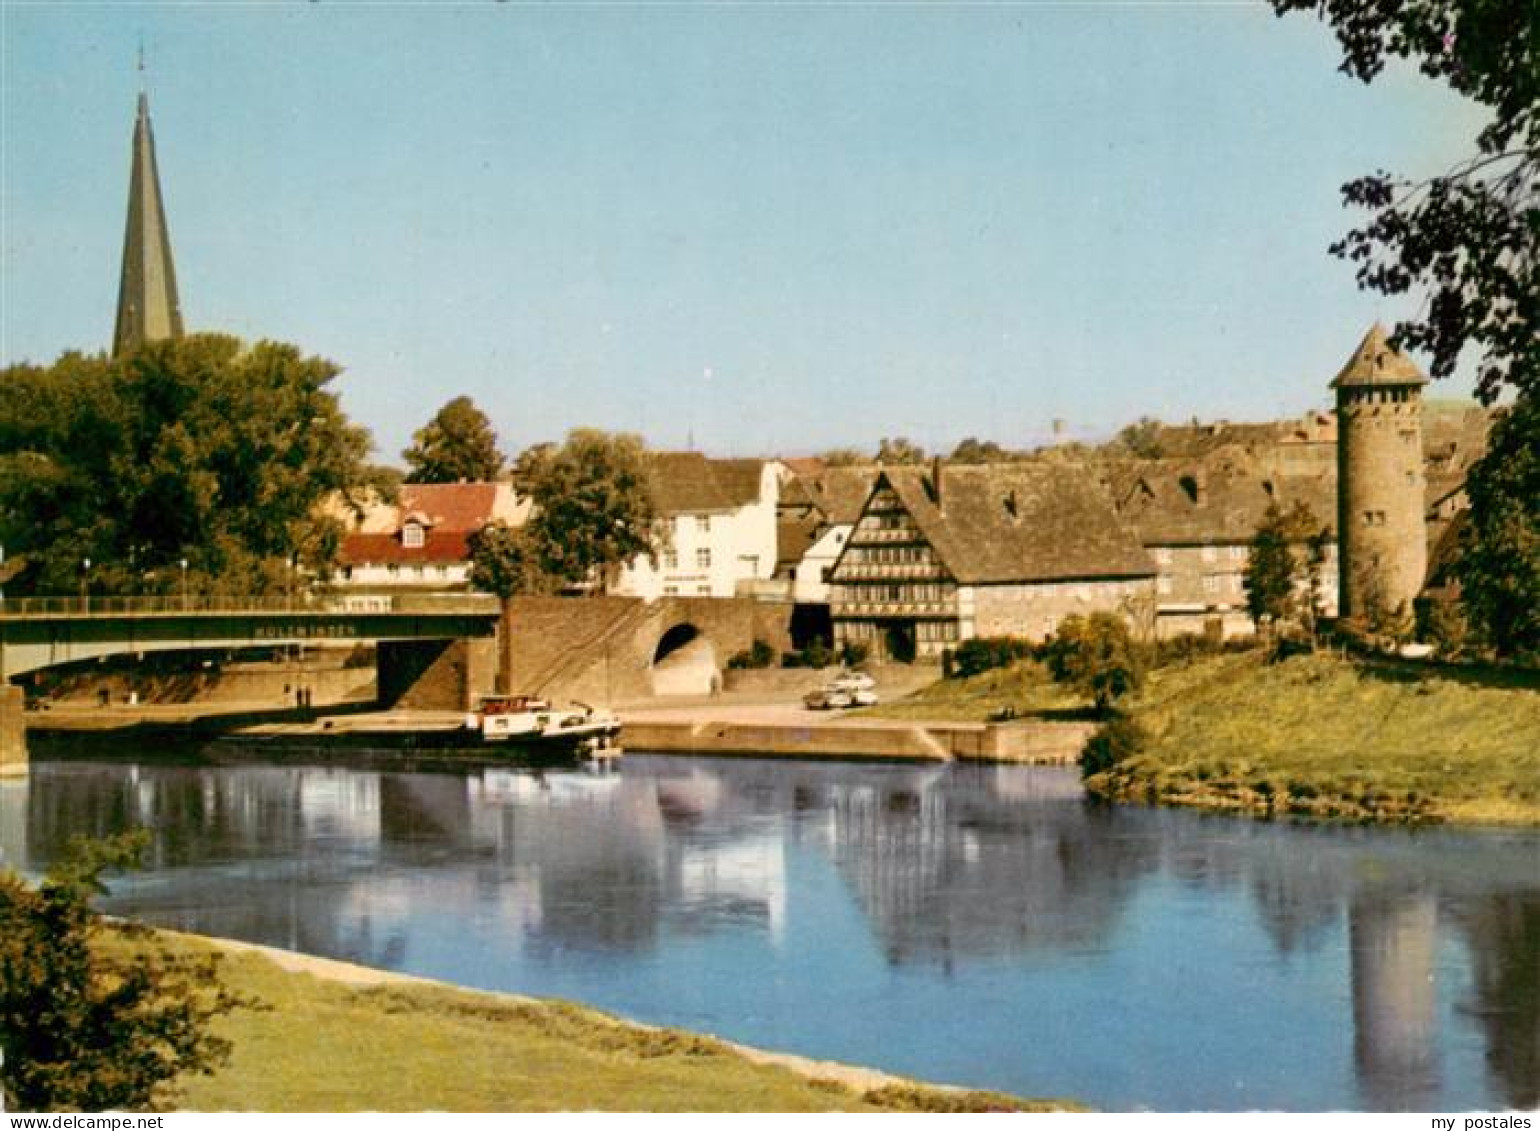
(854, 681)
(827, 698)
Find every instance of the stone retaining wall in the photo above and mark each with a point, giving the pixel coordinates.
(1034, 743)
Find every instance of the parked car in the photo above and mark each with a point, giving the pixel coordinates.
(854, 681)
(839, 694)
(828, 698)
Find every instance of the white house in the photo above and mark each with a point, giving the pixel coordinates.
(422, 541)
(717, 535)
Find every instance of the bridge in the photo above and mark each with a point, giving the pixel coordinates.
(435, 650)
(42, 632)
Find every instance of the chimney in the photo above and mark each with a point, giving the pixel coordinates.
(935, 480)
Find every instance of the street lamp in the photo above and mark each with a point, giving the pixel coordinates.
(183, 564)
(85, 576)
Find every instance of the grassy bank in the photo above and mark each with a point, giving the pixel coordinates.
(1022, 689)
(1324, 736)
(337, 1038)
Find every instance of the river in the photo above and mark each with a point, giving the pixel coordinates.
(971, 924)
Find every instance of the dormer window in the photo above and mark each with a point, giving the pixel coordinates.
(413, 537)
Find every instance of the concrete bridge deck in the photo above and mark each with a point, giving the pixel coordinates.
(40, 632)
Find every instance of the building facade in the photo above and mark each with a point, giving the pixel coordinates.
(942, 555)
(1197, 518)
(717, 529)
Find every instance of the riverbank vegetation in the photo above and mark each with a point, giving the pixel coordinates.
(100, 1014)
(1318, 735)
(348, 1039)
(1325, 735)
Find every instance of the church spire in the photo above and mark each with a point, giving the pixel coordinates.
(148, 308)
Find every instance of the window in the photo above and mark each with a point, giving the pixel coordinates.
(1210, 583)
(1163, 555)
(670, 560)
(671, 591)
(1237, 553)
(1163, 585)
(703, 521)
(412, 536)
(1208, 553)
(703, 590)
(703, 558)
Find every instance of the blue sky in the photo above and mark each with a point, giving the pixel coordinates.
(774, 228)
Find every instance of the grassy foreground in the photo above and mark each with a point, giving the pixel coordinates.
(329, 1043)
(1025, 688)
(1324, 736)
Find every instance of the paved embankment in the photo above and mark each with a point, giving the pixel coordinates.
(793, 731)
(703, 726)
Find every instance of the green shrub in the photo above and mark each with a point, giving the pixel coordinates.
(817, 654)
(89, 1025)
(758, 655)
(854, 653)
(984, 653)
(1115, 742)
(1097, 656)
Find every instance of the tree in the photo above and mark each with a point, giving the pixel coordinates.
(1468, 238)
(199, 449)
(897, 450)
(973, 450)
(1096, 655)
(1499, 558)
(96, 1017)
(843, 457)
(1142, 439)
(507, 561)
(1283, 564)
(457, 445)
(593, 508)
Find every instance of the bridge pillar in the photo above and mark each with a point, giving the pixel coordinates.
(434, 675)
(13, 731)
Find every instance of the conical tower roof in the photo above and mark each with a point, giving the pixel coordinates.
(148, 307)
(1375, 362)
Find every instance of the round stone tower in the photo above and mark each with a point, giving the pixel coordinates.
(1382, 551)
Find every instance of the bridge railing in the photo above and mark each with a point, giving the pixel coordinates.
(300, 604)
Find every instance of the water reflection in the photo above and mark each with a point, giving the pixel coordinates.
(1398, 970)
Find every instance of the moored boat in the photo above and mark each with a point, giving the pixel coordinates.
(532, 725)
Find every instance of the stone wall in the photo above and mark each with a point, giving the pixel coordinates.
(1035, 610)
(1382, 541)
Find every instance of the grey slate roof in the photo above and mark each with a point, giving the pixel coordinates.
(838, 492)
(688, 481)
(1219, 500)
(1018, 522)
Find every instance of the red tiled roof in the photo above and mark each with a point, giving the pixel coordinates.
(461, 507)
(440, 547)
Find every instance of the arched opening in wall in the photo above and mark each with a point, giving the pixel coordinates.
(685, 663)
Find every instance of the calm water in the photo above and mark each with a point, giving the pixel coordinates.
(973, 924)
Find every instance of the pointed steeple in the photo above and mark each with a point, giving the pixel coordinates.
(148, 308)
(1375, 362)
